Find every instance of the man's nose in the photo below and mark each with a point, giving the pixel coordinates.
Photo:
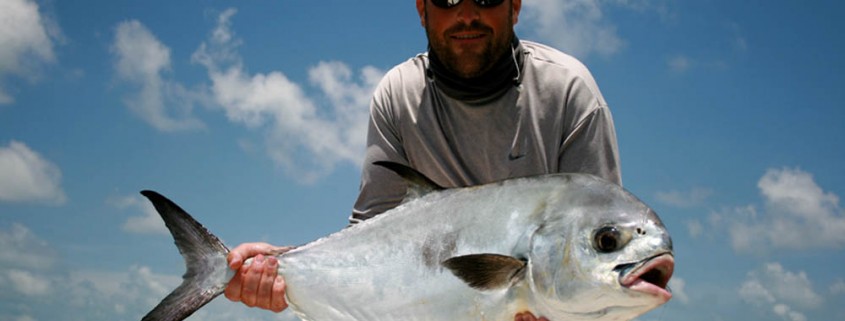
(467, 11)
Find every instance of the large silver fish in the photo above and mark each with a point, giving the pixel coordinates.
(563, 246)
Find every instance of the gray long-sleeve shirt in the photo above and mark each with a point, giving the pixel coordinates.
(556, 120)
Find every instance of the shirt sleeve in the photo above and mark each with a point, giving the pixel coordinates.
(380, 188)
(591, 147)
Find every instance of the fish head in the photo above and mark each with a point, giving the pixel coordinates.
(598, 253)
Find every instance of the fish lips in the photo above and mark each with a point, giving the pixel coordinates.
(650, 276)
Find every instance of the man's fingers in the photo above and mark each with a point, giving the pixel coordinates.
(251, 280)
(278, 304)
(239, 254)
(235, 260)
(257, 284)
(527, 316)
(233, 290)
(265, 286)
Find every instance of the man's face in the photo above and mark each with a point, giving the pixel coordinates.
(469, 39)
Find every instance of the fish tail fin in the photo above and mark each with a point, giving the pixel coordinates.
(205, 259)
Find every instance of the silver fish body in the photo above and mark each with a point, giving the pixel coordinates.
(563, 246)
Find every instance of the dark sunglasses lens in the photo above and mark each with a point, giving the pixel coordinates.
(480, 3)
(446, 3)
(488, 3)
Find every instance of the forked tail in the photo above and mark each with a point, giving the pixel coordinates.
(205, 260)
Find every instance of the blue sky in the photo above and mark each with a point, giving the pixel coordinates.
(251, 115)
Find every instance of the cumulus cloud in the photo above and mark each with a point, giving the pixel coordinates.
(21, 249)
(143, 61)
(797, 214)
(25, 318)
(114, 295)
(307, 132)
(24, 258)
(684, 199)
(25, 282)
(774, 287)
(794, 191)
(27, 39)
(837, 287)
(678, 286)
(582, 27)
(679, 63)
(737, 37)
(303, 136)
(33, 277)
(695, 228)
(577, 27)
(26, 176)
(785, 312)
(145, 221)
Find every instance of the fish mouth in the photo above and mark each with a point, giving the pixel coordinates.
(650, 276)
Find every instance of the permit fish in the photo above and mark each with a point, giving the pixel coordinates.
(562, 246)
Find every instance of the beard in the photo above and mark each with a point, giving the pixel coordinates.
(471, 62)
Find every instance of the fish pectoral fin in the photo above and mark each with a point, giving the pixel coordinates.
(418, 184)
(487, 271)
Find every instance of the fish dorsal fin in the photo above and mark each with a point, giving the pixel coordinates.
(418, 184)
(487, 271)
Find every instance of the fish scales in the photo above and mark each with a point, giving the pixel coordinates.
(381, 264)
(564, 246)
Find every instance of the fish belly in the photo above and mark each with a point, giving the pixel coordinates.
(389, 268)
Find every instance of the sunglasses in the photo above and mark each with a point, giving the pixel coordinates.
(446, 4)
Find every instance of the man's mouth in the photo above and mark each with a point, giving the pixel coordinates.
(467, 36)
(470, 32)
(650, 276)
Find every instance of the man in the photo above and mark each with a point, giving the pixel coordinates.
(479, 107)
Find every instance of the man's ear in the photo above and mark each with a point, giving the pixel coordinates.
(421, 11)
(517, 5)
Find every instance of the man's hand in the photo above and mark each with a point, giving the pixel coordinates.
(527, 316)
(257, 284)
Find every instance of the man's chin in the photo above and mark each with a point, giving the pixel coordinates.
(468, 65)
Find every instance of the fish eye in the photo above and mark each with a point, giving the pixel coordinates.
(607, 239)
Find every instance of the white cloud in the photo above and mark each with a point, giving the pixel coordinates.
(738, 39)
(147, 220)
(754, 292)
(306, 134)
(797, 214)
(793, 288)
(678, 286)
(794, 191)
(695, 228)
(71, 294)
(142, 60)
(782, 290)
(837, 287)
(30, 283)
(679, 63)
(26, 283)
(785, 312)
(577, 27)
(582, 27)
(25, 176)
(26, 42)
(22, 249)
(692, 198)
(76, 295)
(305, 139)
(25, 318)
(126, 295)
